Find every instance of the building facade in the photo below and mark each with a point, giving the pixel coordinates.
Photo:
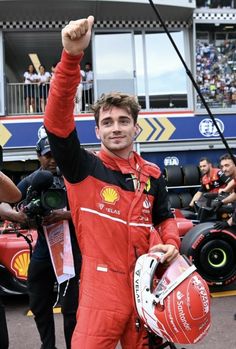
(130, 52)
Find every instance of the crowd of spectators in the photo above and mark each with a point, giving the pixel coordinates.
(36, 89)
(216, 73)
(216, 3)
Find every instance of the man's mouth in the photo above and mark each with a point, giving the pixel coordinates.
(117, 137)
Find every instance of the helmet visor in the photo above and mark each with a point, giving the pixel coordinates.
(173, 276)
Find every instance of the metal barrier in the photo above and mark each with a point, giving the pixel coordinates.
(32, 99)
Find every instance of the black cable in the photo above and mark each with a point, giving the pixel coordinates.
(28, 238)
(188, 72)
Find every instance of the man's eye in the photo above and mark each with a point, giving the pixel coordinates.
(106, 123)
(125, 121)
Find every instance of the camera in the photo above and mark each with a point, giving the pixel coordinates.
(46, 193)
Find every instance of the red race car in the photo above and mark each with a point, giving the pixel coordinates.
(210, 249)
(16, 246)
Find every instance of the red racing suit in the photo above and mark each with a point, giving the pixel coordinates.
(214, 181)
(115, 220)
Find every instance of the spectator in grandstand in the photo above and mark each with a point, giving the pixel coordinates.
(215, 3)
(30, 78)
(79, 94)
(43, 82)
(212, 179)
(53, 67)
(215, 72)
(87, 99)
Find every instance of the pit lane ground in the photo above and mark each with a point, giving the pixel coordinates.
(23, 333)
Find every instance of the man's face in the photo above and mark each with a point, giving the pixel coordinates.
(205, 167)
(117, 131)
(87, 67)
(47, 162)
(228, 167)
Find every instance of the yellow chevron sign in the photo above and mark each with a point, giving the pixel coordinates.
(5, 135)
(153, 129)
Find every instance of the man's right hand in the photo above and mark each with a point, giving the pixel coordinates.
(76, 35)
(10, 214)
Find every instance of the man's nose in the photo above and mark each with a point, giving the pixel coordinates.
(116, 127)
(52, 161)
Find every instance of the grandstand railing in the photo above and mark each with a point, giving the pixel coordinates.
(17, 104)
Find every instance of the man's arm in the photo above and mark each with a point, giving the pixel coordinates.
(59, 120)
(8, 190)
(229, 187)
(229, 199)
(196, 197)
(10, 214)
(57, 216)
(168, 240)
(59, 111)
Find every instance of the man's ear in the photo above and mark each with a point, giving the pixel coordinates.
(137, 130)
(97, 132)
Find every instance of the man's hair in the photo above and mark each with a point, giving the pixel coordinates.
(205, 159)
(228, 157)
(119, 100)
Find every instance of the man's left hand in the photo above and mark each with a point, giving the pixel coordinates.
(76, 35)
(170, 252)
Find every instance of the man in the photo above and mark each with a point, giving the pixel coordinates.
(41, 276)
(229, 169)
(87, 99)
(117, 199)
(8, 193)
(212, 180)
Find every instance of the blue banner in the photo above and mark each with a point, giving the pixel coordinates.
(20, 132)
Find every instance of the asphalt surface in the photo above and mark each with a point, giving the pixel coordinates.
(23, 333)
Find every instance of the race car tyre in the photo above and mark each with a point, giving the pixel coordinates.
(213, 253)
(185, 199)
(173, 175)
(174, 200)
(191, 175)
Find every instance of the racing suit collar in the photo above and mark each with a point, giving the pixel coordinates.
(135, 164)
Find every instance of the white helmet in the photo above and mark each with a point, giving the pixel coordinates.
(174, 303)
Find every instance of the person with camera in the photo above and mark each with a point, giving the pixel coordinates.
(41, 277)
(8, 193)
(119, 202)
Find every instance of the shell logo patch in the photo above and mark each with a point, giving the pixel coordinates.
(20, 263)
(110, 195)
